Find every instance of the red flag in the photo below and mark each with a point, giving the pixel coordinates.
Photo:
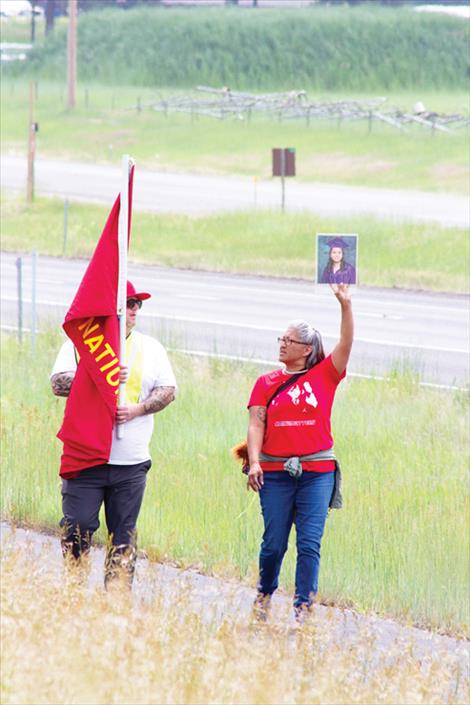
(92, 325)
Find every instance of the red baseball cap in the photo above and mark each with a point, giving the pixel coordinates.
(133, 294)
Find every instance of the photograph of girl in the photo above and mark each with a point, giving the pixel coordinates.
(336, 259)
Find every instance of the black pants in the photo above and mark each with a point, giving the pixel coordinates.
(120, 487)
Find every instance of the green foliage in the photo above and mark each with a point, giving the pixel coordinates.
(321, 48)
(395, 548)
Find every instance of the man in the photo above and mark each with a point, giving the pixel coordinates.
(120, 483)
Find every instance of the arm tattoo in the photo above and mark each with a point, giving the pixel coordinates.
(61, 383)
(158, 399)
(261, 413)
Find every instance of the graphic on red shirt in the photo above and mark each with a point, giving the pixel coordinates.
(298, 419)
(303, 392)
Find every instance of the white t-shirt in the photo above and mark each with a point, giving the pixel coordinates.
(133, 448)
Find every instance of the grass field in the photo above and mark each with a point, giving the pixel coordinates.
(61, 644)
(408, 256)
(398, 546)
(325, 151)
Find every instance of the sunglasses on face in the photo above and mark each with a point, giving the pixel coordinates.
(134, 302)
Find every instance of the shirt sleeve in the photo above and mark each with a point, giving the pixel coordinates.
(258, 396)
(65, 360)
(163, 375)
(330, 371)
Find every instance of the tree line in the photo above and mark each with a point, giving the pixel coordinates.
(55, 8)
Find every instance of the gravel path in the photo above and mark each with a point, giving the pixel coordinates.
(217, 599)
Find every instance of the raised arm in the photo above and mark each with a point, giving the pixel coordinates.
(341, 352)
(256, 427)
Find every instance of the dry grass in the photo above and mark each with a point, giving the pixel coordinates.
(64, 644)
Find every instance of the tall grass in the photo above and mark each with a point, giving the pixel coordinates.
(398, 255)
(322, 48)
(61, 644)
(398, 547)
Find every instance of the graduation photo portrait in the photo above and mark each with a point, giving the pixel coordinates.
(336, 258)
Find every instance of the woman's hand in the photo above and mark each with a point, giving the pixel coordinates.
(342, 293)
(123, 374)
(255, 477)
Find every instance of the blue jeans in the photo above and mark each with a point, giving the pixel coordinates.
(286, 500)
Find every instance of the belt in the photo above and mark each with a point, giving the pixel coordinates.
(293, 464)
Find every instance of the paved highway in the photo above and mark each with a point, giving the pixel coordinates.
(193, 194)
(242, 316)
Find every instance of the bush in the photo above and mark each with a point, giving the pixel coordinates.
(365, 48)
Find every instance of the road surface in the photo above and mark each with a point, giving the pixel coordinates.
(166, 192)
(241, 316)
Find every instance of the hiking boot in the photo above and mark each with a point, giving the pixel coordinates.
(261, 607)
(119, 566)
(302, 613)
(77, 569)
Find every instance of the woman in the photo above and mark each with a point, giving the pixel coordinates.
(337, 270)
(290, 448)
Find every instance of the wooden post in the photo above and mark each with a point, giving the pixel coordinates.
(31, 147)
(72, 55)
(283, 179)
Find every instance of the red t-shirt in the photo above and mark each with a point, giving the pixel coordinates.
(298, 419)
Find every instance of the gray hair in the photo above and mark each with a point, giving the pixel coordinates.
(309, 335)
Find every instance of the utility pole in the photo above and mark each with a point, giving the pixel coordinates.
(72, 55)
(32, 128)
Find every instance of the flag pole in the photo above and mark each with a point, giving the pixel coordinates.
(123, 225)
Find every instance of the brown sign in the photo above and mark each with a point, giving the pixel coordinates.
(283, 161)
